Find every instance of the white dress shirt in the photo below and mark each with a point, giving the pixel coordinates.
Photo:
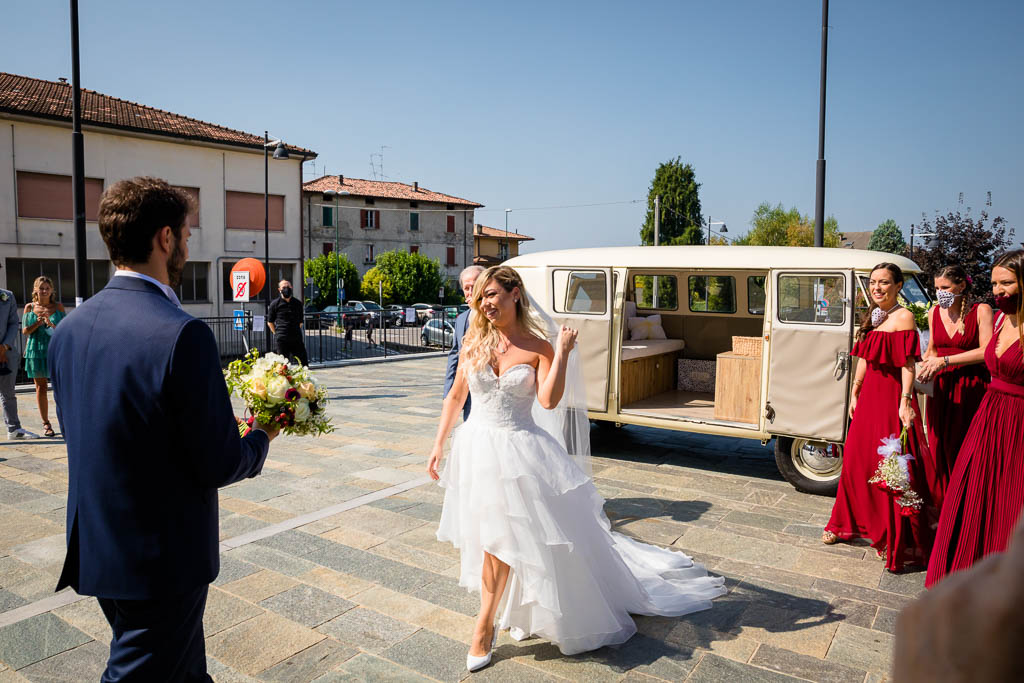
(163, 288)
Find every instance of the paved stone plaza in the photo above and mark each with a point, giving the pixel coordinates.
(330, 570)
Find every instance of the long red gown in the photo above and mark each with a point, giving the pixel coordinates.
(959, 390)
(862, 510)
(986, 493)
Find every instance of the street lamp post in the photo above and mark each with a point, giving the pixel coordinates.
(337, 257)
(507, 250)
(711, 222)
(913, 232)
(280, 152)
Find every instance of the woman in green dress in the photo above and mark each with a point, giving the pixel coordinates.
(40, 319)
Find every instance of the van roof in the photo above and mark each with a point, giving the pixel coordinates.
(714, 257)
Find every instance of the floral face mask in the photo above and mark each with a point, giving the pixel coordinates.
(946, 298)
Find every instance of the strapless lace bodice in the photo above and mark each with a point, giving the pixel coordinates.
(504, 401)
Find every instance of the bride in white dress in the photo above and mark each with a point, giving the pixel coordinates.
(523, 512)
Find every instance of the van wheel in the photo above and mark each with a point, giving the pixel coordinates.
(810, 466)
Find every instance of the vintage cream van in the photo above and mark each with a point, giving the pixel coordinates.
(756, 340)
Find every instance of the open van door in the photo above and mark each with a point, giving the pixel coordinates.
(809, 373)
(582, 299)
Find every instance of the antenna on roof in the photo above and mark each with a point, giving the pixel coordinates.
(988, 201)
(377, 168)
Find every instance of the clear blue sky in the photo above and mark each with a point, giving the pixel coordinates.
(537, 104)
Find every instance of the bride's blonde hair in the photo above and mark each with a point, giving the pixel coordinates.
(482, 338)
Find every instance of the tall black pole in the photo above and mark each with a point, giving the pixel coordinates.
(78, 164)
(266, 231)
(819, 195)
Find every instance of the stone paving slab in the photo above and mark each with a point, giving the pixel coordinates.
(369, 594)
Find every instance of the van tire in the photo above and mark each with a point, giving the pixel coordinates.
(798, 473)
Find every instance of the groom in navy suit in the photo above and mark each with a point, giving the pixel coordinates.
(151, 435)
(467, 278)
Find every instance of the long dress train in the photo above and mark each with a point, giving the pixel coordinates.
(512, 490)
(986, 494)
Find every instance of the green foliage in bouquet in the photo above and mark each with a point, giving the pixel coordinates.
(276, 392)
(920, 312)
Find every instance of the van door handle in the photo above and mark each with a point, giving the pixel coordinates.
(842, 365)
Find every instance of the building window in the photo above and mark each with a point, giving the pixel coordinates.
(328, 216)
(414, 205)
(450, 223)
(503, 251)
(414, 249)
(21, 274)
(414, 221)
(451, 256)
(328, 247)
(369, 220)
(193, 288)
(46, 195)
(369, 254)
(449, 207)
(369, 201)
(245, 211)
(279, 270)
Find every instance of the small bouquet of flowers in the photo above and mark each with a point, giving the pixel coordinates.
(276, 392)
(893, 473)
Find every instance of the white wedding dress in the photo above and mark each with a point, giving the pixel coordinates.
(512, 490)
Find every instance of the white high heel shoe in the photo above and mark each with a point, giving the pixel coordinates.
(476, 663)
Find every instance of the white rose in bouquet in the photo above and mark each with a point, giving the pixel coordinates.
(277, 387)
(301, 410)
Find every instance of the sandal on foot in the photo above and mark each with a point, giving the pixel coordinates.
(48, 430)
(829, 538)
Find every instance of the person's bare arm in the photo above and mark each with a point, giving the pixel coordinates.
(551, 368)
(969, 627)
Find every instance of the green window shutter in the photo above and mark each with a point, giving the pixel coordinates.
(414, 221)
(328, 218)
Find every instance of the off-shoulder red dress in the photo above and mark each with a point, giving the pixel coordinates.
(959, 390)
(986, 493)
(862, 510)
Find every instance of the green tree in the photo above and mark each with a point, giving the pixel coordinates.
(888, 237)
(681, 220)
(776, 226)
(324, 272)
(376, 283)
(414, 278)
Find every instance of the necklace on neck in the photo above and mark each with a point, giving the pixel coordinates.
(503, 344)
(878, 316)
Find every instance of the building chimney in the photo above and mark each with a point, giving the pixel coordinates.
(415, 186)
(341, 179)
(63, 79)
(479, 229)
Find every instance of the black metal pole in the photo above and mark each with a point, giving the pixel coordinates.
(266, 237)
(78, 164)
(819, 194)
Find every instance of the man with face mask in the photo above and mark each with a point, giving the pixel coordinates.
(285, 322)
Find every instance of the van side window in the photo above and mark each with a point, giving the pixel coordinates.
(812, 299)
(755, 294)
(712, 294)
(656, 292)
(580, 291)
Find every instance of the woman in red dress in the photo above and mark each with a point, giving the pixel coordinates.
(882, 403)
(986, 493)
(955, 358)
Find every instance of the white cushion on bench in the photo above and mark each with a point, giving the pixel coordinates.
(634, 348)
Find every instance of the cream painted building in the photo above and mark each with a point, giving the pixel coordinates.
(492, 246)
(365, 218)
(222, 168)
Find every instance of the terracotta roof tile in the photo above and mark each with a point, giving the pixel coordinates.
(499, 232)
(52, 100)
(382, 190)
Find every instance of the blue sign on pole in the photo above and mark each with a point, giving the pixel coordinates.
(239, 322)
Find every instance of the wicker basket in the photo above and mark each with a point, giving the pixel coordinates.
(747, 346)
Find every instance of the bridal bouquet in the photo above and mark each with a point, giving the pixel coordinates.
(278, 393)
(893, 473)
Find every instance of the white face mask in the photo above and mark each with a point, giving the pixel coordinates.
(946, 298)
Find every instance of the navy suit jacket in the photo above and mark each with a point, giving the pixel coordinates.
(151, 435)
(461, 324)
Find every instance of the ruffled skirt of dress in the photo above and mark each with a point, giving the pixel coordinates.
(515, 494)
(986, 493)
(958, 395)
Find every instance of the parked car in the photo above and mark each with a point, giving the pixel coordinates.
(350, 316)
(394, 315)
(423, 312)
(438, 332)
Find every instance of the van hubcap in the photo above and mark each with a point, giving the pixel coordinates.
(817, 459)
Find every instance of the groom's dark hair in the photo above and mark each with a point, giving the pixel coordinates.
(133, 210)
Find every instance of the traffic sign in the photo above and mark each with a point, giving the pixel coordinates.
(240, 285)
(239, 320)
